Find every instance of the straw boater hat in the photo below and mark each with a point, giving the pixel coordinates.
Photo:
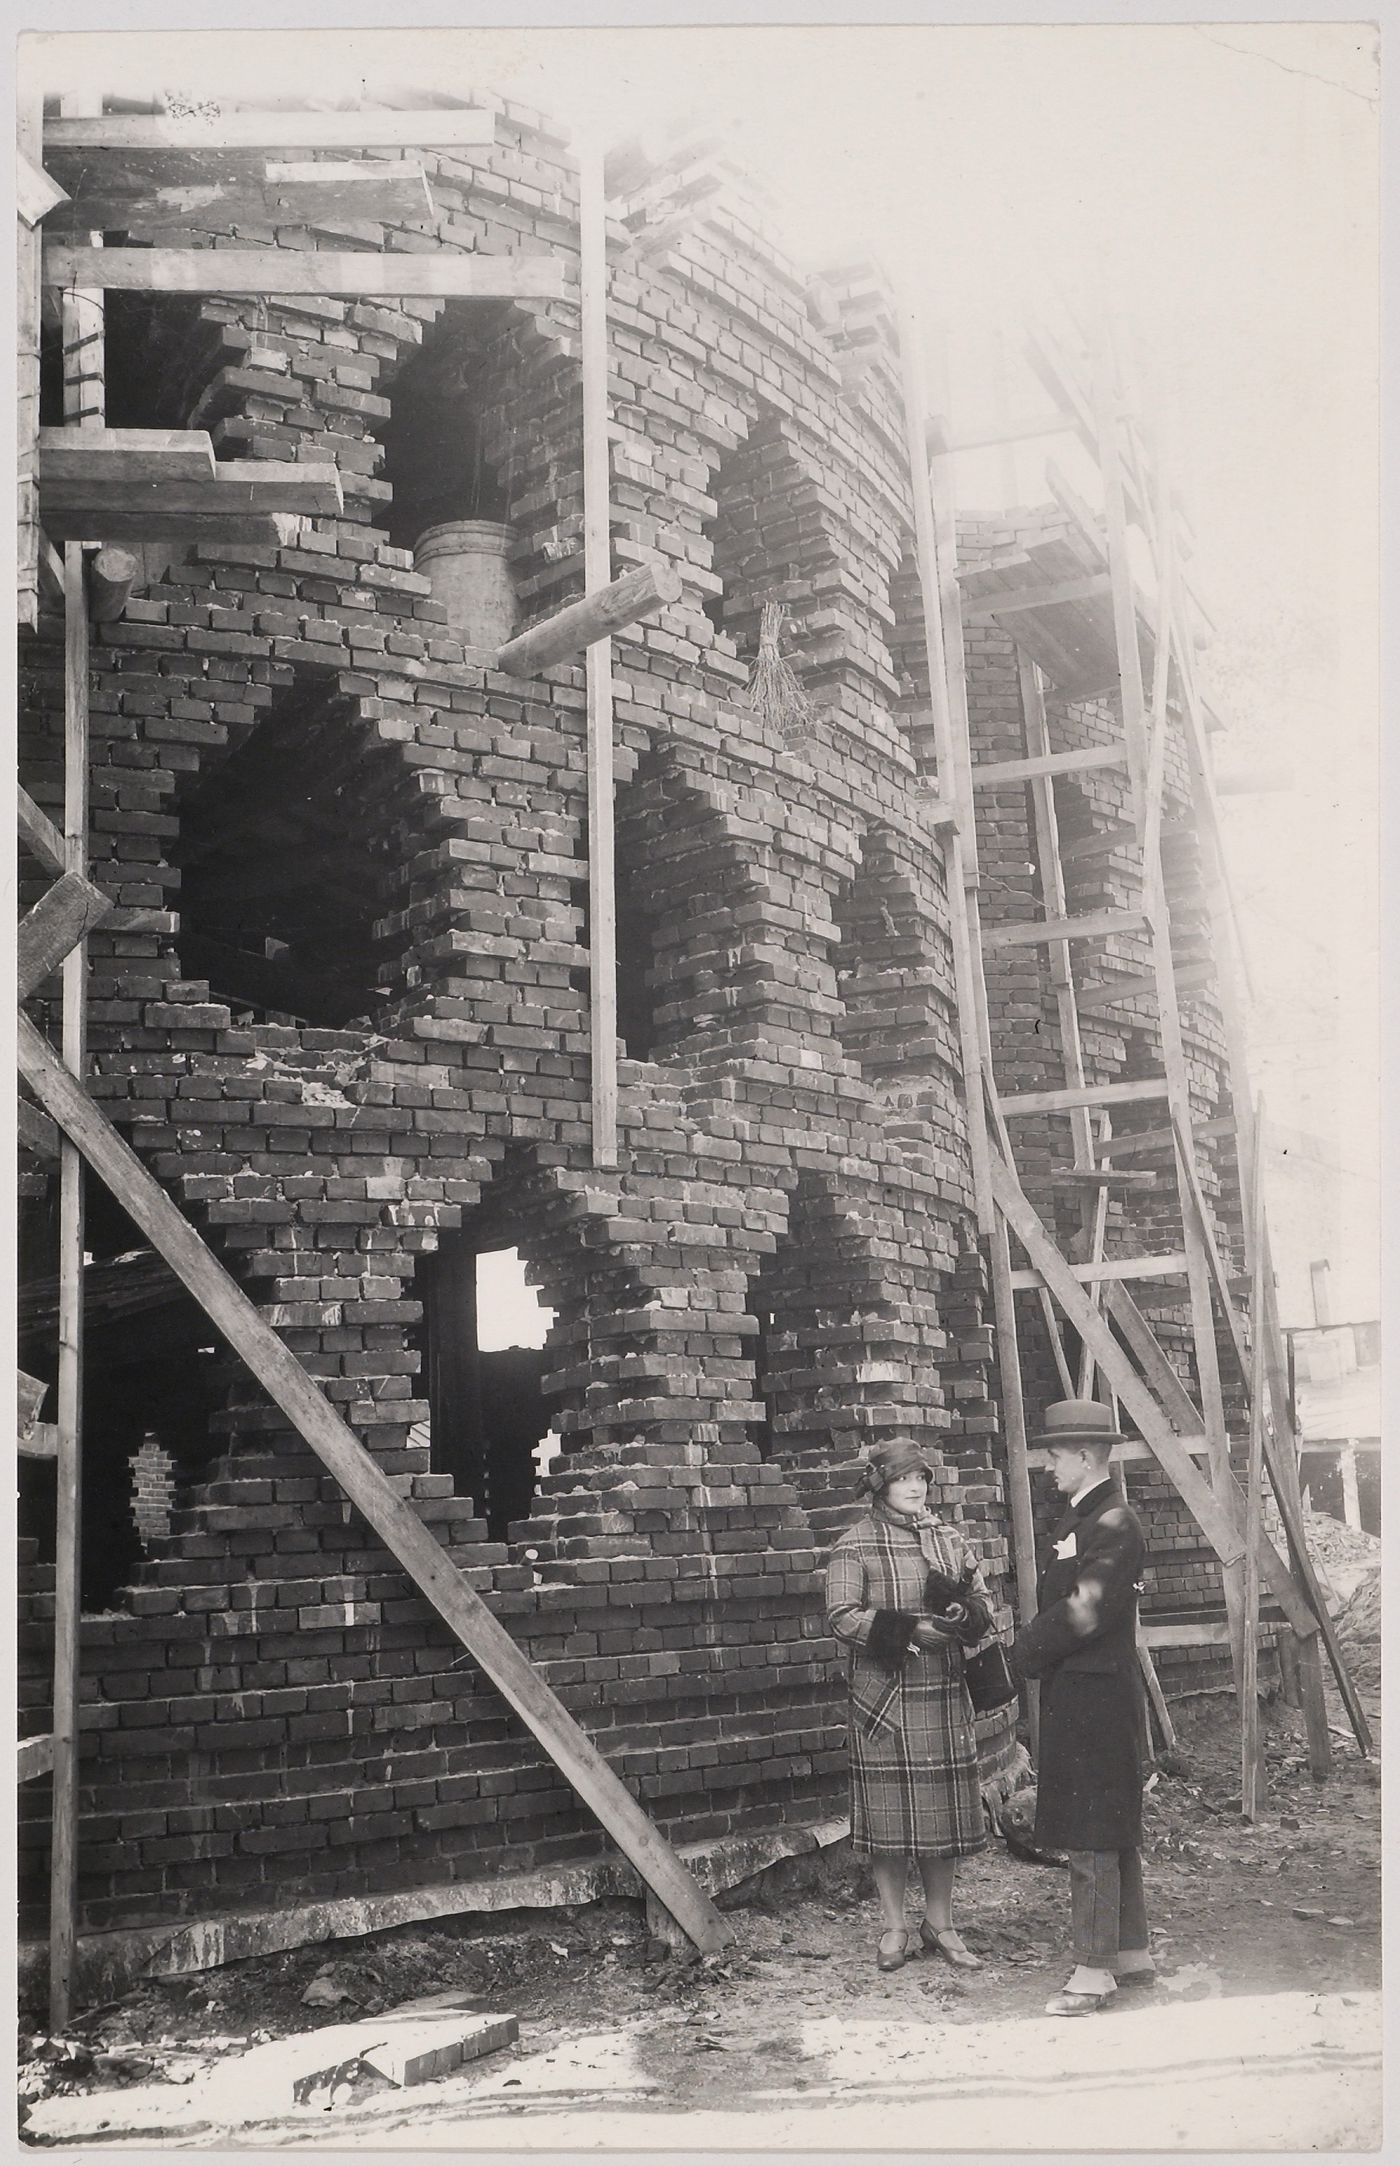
(884, 1463)
(1075, 1422)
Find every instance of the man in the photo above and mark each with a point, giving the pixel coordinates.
(1082, 1644)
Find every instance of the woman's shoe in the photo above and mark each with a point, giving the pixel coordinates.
(948, 1943)
(896, 1958)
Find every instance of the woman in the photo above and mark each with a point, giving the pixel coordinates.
(904, 1595)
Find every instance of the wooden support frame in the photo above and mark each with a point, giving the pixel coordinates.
(60, 919)
(992, 774)
(1251, 1753)
(369, 1490)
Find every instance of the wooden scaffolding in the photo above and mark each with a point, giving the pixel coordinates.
(1080, 620)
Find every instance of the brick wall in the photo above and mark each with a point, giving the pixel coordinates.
(781, 1268)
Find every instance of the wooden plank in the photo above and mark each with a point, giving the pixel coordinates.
(1099, 996)
(1054, 422)
(1156, 1698)
(368, 128)
(1122, 835)
(50, 573)
(1146, 1349)
(991, 604)
(598, 682)
(1133, 1145)
(34, 1756)
(601, 613)
(55, 925)
(41, 1441)
(1096, 925)
(36, 192)
(126, 455)
(38, 833)
(273, 530)
(236, 486)
(210, 191)
(1088, 1094)
(1251, 1754)
(991, 774)
(1169, 1266)
(361, 274)
(1096, 1177)
(1207, 1632)
(368, 1489)
(1215, 1516)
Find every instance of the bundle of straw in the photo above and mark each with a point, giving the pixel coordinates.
(774, 692)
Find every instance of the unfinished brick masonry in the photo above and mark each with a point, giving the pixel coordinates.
(783, 1266)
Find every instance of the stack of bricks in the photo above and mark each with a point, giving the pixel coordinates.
(781, 1268)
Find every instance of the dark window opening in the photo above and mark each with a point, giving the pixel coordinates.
(482, 1345)
(153, 1376)
(158, 354)
(282, 885)
(435, 457)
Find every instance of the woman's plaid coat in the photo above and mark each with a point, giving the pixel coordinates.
(913, 1750)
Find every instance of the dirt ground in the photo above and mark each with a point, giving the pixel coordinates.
(1288, 1904)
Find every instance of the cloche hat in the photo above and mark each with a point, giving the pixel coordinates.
(884, 1463)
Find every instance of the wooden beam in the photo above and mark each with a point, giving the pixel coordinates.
(991, 774)
(1099, 996)
(29, 126)
(209, 191)
(39, 835)
(1169, 1266)
(1133, 1452)
(988, 606)
(41, 1442)
(272, 530)
(236, 485)
(273, 271)
(1097, 925)
(111, 576)
(1134, 1144)
(445, 128)
(60, 919)
(600, 614)
(50, 573)
(1020, 1103)
(34, 1757)
(1053, 423)
(1096, 1177)
(126, 455)
(1202, 1632)
(368, 1489)
(590, 625)
(1150, 1356)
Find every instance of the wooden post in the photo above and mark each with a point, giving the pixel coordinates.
(68, 1537)
(597, 573)
(367, 1487)
(1351, 1493)
(113, 574)
(1251, 1758)
(27, 254)
(597, 616)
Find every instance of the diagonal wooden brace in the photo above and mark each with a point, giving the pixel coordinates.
(1220, 1517)
(368, 1489)
(53, 928)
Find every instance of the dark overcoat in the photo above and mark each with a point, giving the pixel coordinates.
(1082, 1645)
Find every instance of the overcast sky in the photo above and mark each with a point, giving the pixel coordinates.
(1220, 178)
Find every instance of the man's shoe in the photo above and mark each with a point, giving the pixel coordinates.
(1065, 2003)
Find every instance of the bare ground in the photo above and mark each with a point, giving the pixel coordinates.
(1287, 1906)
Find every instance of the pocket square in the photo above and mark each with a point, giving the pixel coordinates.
(1066, 1548)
